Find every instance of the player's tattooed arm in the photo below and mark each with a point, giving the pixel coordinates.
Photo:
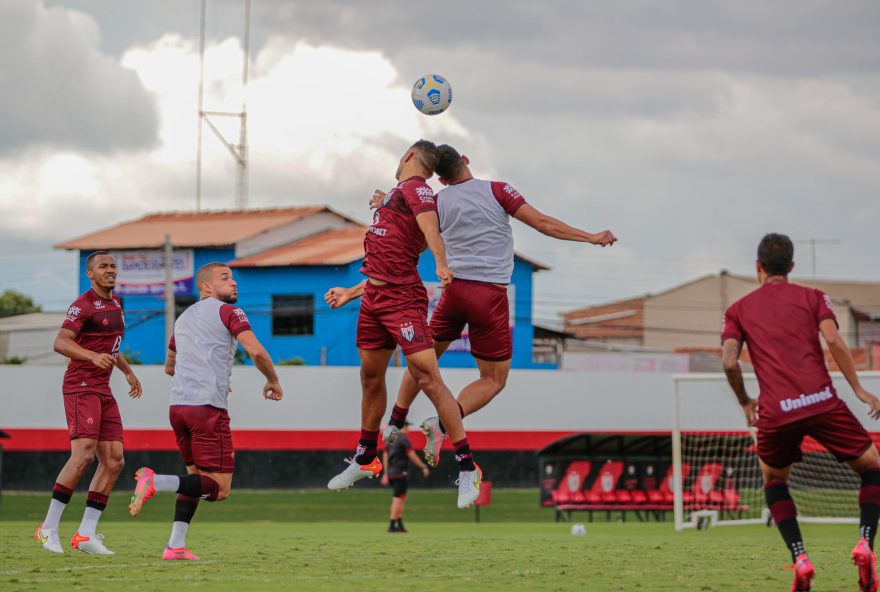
(429, 223)
(841, 354)
(337, 297)
(170, 362)
(136, 390)
(556, 228)
(730, 362)
(66, 345)
(272, 389)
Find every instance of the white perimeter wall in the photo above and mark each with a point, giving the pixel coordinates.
(329, 399)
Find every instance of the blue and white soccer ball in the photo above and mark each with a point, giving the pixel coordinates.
(578, 529)
(431, 94)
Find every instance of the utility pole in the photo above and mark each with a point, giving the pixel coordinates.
(169, 289)
(813, 242)
(239, 151)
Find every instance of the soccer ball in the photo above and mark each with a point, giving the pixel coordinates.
(578, 529)
(431, 94)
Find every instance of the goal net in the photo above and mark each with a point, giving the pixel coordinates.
(716, 478)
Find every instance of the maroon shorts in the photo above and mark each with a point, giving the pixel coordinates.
(392, 315)
(837, 430)
(203, 437)
(483, 307)
(94, 416)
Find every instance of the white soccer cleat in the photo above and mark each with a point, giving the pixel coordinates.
(49, 539)
(433, 440)
(469, 486)
(354, 473)
(389, 434)
(93, 545)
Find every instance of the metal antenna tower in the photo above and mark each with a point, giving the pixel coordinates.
(239, 151)
(813, 242)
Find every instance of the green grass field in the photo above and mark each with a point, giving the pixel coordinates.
(317, 540)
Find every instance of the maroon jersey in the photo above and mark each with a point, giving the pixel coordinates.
(780, 324)
(99, 325)
(395, 241)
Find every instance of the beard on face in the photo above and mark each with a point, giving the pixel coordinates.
(230, 298)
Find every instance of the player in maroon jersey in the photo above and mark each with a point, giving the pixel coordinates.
(780, 323)
(475, 221)
(90, 336)
(394, 312)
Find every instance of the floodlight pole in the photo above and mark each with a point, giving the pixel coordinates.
(239, 151)
(169, 289)
(813, 242)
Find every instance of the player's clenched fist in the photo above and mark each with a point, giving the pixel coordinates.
(377, 200)
(103, 361)
(604, 238)
(445, 274)
(337, 297)
(273, 391)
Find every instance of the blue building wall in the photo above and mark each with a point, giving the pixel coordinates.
(334, 330)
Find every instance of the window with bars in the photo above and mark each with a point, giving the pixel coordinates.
(293, 314)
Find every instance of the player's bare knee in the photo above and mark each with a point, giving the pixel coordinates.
(429, 383)
(372, 378)
(498, 384)
(223, 493)
(114, 464)
(82, 459)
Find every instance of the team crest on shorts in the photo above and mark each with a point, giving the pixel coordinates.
(407, 331)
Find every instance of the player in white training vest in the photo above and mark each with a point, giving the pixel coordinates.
(200, 358)
(475, 226)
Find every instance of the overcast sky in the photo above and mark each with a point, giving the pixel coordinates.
(689, 128)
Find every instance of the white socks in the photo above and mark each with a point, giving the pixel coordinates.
(89, 522)
(178, 535)
(53, 516)
(169, 483)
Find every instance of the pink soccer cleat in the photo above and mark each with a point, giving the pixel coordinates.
(143, 491)
(803, 574)
(864, 558)
(181, 554)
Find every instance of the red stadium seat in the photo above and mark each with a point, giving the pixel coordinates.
(569, 489)
(604, 487)
(700, 495)
(663, 495)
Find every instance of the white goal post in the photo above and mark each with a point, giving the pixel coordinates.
(716, 479)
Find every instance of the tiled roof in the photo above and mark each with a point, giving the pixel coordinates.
(624, 318)
(191, 229)
(339, 246)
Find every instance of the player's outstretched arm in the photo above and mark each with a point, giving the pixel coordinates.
(136, 389)
(272, 390)
(841, 354)
(337, 297)
(66, 345)
(730, 362)
(429, 223)
(555, 228)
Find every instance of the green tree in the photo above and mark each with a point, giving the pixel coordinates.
(294, 361)
(133, 358)
(15, 303)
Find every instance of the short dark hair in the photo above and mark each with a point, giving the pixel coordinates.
(427, 154)
(450, 162)
(776, 253)
(92, 256)
(204, 270)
